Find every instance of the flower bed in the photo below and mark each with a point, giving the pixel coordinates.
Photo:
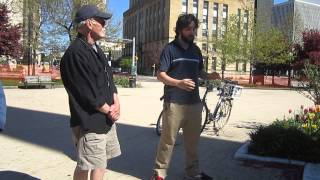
(295, 137)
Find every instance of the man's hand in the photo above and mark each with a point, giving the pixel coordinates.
(104, 109)
(114, 112)
(186, 84)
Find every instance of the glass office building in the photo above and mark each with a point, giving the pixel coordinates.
(296, 16)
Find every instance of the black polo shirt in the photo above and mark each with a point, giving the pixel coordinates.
(180, 63)
(88, 81)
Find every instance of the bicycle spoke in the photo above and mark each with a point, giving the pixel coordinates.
(223, 115)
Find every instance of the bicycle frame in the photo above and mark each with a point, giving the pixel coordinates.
(222, 98)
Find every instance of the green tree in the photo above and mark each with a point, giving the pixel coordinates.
(229, 44)
(125, 64)
(59, 14)
(271, 48)
(233, 44)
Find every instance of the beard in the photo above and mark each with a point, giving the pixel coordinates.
(188, 39)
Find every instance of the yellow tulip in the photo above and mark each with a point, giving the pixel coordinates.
(311, 116)
(305, 125)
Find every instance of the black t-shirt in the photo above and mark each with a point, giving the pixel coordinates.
(180, 64)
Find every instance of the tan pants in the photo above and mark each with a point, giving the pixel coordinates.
(176, 116)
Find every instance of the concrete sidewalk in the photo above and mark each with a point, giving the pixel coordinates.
(36, 143)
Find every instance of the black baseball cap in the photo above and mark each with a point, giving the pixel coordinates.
(90, 11)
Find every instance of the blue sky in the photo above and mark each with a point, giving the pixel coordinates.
(279, 1)
(118, 7)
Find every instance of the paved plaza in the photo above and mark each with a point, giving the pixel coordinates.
(36, 143)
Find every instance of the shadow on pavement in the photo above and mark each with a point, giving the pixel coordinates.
(7, 175)
(138, 145)
(41, 128)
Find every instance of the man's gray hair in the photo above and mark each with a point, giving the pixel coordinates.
(80, 24)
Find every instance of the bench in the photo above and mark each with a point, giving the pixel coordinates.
(31, 81)
(38, 81)
(46, 80)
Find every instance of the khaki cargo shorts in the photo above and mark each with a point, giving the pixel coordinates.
(93, 150)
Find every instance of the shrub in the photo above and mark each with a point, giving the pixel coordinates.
(285, 142)
(122, 81)
(295, 137)
(125, 64)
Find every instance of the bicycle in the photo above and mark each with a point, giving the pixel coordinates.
(222, 111)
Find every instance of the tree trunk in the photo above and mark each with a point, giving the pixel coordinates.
(272, 77)
(223, 68)
(222, 74)
(33, 62)
(289, 78)
(250, 75)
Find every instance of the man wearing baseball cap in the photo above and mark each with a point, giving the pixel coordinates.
(93, 100)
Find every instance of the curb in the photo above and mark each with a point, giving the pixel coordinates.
(242, 154)
(311, 171)
(17, 87)
(267, 88)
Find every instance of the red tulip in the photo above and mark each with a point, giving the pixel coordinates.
(311, 109)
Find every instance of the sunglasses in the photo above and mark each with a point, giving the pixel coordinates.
(100, 21)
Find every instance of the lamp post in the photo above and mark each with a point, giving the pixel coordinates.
(133, 77)
(133, 64)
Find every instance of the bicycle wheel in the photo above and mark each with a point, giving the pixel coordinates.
(222, 115)
(205, 119)
(159, 124)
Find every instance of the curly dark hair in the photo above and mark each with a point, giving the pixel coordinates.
(184, 20)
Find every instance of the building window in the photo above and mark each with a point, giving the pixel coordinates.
(244, 67)
(223, 28)
(214, 63)
(159, 21)
(215, 10)
(205, 18)
(195, 8)
(237, 65)
(239, 18)
(204, 47)
(215, 20)
(224, 19)
(154, 22)
(239, 22)
(184, 6)
(245, 23)
(225, 11)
